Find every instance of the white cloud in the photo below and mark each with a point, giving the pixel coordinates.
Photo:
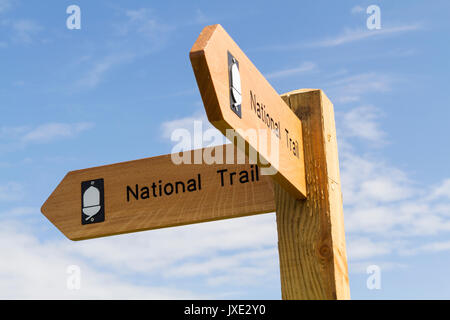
(201, 18)
(145, 23)
(12, 132)
(441, 191)
(303, 68)
(99, 68)
(215, 255)
(347, 99)
(25, 30)
(381, 199)
(19, 211)
(384, 189)
(366, 180)
(362, 122)
(357, 9)
(51, 131)
(385, 210)
(363, 248)
(229, 266)
(31, 269)
(385, 216)
(351, 88)
(432, 247)
(11, 191)
(347, 36)
(5, 5)
(139, 33)
(174, 250)
(18, 137)
(353, 35)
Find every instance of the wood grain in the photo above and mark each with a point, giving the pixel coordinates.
(122, 215)
(209, 58)
(311, 238)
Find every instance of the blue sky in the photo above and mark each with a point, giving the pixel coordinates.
(113, 91)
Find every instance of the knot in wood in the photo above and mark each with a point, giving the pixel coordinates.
(325, 251)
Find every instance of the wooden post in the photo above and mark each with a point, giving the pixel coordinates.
(311, 238)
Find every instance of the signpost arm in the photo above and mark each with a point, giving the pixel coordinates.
(311, 238)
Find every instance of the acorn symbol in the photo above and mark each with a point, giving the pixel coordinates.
(91, 202)
(235, 84)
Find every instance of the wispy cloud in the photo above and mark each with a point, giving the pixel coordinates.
(19, 211)
(24, 30)
(352, 35)
(48, 132)
(137, 33)
(11, 191)
(99, 68)
(370, 182)
(20, 31)
(431, 247)
(386, 213)
(442, 191)
(357, 9)
(5, 5)
(347, 36)
(303, 68)
(361, 122)
(52, 131)
(363, 248)
(201, 17)
(351, 88)
(145, 23)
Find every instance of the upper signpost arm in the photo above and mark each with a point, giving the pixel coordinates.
(237, 96)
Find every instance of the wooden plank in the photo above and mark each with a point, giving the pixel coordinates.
(217, 62)
(311, 238)
(203, 193)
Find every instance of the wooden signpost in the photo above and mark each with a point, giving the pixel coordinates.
(305, 190)
(155, 193)
(311, 238)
